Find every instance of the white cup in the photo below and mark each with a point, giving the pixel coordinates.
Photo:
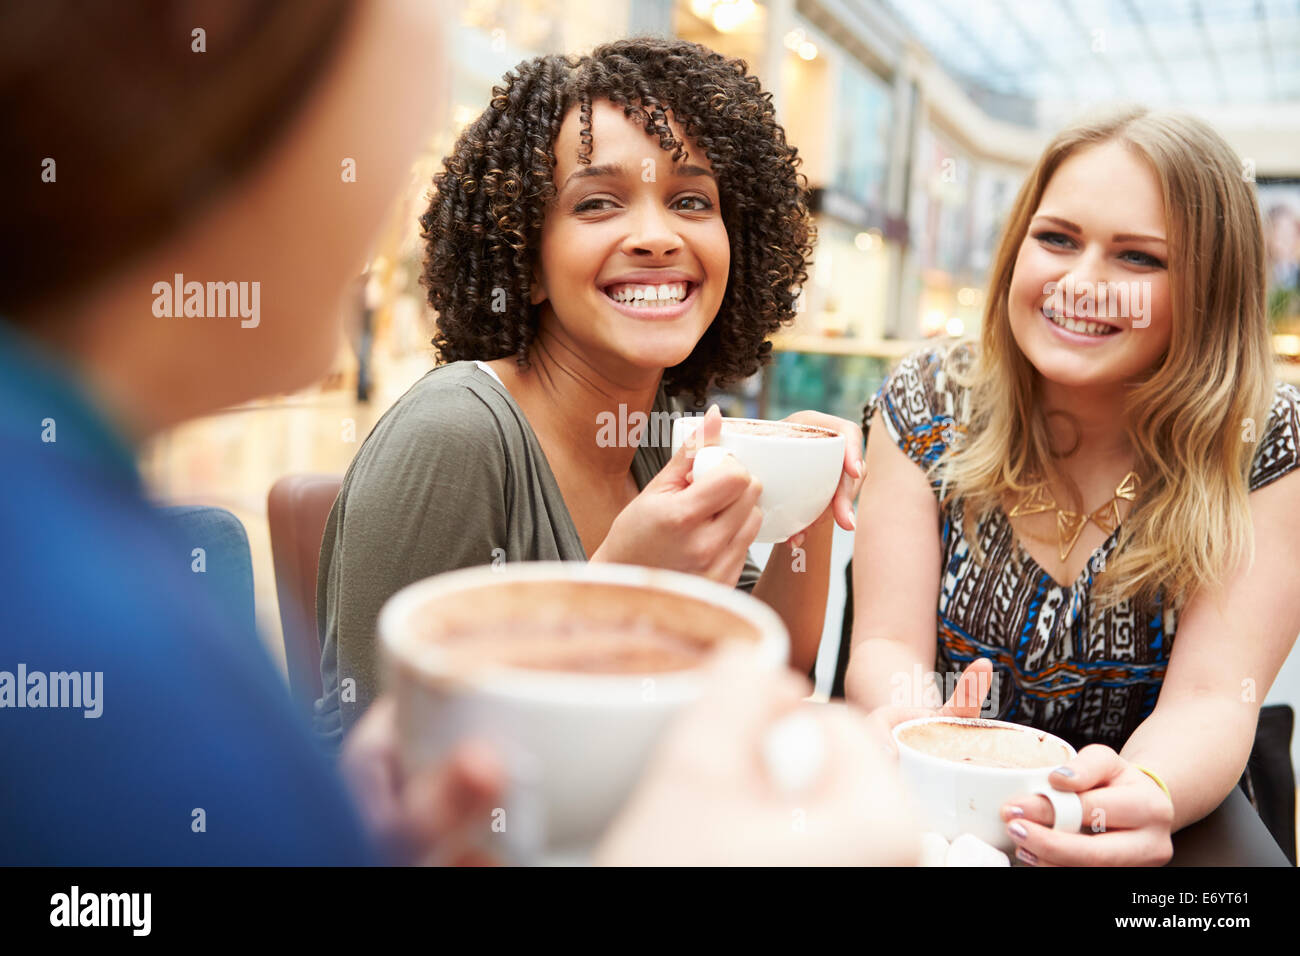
(953, 797)
(574, 744)
(799, 474)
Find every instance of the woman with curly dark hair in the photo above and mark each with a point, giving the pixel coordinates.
(613, 231)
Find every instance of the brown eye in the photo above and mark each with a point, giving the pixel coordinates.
(700, 204)
(595, 204)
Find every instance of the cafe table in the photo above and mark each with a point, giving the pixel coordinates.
(1233, 835)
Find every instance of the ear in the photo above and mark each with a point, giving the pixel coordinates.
(537, 290)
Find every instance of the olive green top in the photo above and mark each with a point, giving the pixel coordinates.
(452, 476)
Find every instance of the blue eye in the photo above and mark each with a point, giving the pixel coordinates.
(1144, 259)
(1054, 239)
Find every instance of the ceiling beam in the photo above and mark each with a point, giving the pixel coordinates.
(1140, 22)
(1266, 48)
(1121, 88)
(1036, 48)
(1216, 68)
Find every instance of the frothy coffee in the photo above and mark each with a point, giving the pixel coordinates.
(587, 627)
(775, 429)
(985, 745)
(576, 645)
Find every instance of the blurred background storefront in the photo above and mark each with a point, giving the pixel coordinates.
(916, 120)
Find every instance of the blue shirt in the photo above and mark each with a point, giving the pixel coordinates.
(196, 755)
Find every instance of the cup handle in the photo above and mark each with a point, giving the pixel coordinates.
(1066, 806)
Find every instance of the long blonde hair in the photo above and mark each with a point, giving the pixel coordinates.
(1193, 421)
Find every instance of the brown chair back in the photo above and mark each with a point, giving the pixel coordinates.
(297, 508)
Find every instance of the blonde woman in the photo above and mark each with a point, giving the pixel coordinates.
(1106, 509)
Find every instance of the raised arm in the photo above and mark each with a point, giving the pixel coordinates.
(896, 563)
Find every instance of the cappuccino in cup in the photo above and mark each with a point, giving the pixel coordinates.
(570, 670)
(799, 467)
(577, 646)
(960, 771)
(987, 746)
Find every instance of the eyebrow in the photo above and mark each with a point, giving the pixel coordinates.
(684, 171)
(1118, 237)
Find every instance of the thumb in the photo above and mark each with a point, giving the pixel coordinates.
(710, 430)
(676, 474)
(972, 687)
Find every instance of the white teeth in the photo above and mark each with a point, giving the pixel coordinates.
(1077, 326)
(635, 295)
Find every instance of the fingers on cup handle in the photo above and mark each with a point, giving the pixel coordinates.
(1067, 807)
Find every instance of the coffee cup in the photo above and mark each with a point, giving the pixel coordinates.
(570, 670)
(960, 771)
(799, 467)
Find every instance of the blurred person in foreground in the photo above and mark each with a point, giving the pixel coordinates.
(138, 151)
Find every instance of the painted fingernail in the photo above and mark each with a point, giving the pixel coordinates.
(1028, 857)
(1017, 831)
(1015, 812)
(1064, 771)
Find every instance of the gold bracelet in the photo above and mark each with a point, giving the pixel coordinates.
(1159, 783)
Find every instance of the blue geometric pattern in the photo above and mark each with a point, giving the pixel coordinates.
(1060, 663)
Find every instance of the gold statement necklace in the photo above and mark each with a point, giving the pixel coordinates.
(1069, 524)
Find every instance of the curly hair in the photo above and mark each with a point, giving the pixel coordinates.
(485, 216)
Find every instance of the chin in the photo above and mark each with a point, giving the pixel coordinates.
(659, 349)
(1061, 364)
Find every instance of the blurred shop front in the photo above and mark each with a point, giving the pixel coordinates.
(916, 123)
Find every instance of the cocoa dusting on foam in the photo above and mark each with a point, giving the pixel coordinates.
(984, 744)
(575, 645)
(777, 429)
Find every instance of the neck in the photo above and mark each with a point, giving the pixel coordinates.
(1097, 421)
(568, 396)
(119, 372)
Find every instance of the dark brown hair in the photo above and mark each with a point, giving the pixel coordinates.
(143, 129)
(484, 220)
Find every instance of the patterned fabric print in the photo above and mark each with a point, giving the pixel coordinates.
(1059, 664)
(1280, 445)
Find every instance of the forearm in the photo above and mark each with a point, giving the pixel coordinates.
(795, 584)
(882, 671)
(1198, 746)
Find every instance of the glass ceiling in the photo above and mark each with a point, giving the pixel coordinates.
(1175, 53)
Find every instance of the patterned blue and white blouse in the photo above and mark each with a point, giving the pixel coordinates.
(1060, 664)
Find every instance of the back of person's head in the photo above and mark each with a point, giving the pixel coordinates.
(164, 159)
(124, 118)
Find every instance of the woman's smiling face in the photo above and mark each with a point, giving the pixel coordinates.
(1089, 299)
(634, 255)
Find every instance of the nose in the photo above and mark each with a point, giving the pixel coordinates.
(1089, 266)
(652, 234)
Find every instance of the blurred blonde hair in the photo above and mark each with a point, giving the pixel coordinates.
(1191, 524)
